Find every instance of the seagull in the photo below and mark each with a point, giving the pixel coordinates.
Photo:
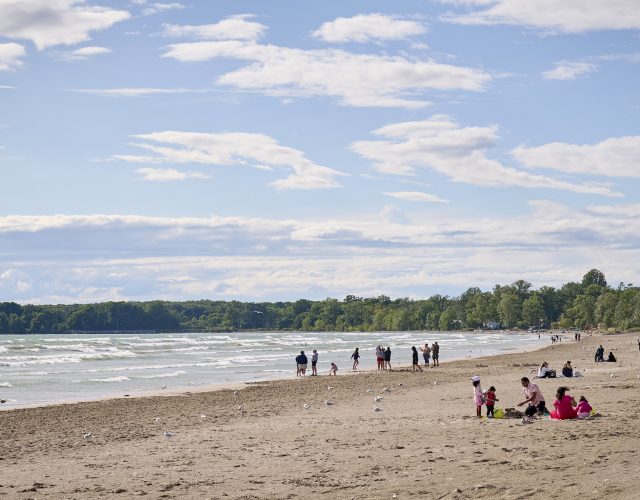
(328, 402)
(235, 392)
(376, 408)
(240, 407)
(203, 417)
(378, 399)
(329, 388)
(435, 382)
(164, 386)
(369, 390)
(168, 434)
(87, 436)
(306, 406)
(157, 419)
(386, 389)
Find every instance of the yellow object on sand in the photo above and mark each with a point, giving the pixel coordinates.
(498, 413)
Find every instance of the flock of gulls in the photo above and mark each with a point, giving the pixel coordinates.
(87, 436)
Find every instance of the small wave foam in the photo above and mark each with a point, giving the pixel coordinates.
(112, 379)
(5, 384)
(165, 375)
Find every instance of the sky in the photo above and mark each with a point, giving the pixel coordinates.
(274, 150)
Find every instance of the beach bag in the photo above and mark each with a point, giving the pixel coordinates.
(498, 413)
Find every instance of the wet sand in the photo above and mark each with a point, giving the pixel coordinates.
(262, 443)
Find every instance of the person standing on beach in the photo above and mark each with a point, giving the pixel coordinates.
(435, 354)
(415, 364)
(380, 357)
(426, 354)
(314, 363)
(387, 358)
(355, 356)
(534, 399)
(478, 397)
(301, 362)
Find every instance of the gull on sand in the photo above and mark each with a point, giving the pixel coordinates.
(376, 408)
(168, 434)
(87, 435)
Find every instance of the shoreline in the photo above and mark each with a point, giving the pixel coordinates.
(221, 386)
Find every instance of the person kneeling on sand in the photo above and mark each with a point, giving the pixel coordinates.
(333, 370)
(611, 358)
(534, 399)
(565, 405)
(567, 369)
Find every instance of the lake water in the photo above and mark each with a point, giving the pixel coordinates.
(40, 369)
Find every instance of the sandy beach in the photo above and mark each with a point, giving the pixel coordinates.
(261, 442)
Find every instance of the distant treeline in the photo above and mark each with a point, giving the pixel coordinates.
(589, 303)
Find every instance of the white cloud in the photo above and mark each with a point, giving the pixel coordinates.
(82, 54)
(55, 22)
(416, 196)
(10, 54)
(565, 16)
(250, 258)
(235, 149)
(137, 91)
(367, 27)
(156, 7)
(460, 153)
(569, 70)
(354, 79)
(168, 174)
(231, 28)
(613, 157)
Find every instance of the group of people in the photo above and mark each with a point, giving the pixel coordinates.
(565, 405)
(599, 356)
(383, 359)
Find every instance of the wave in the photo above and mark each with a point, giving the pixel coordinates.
(112, 379)
(5, 384)
(164, 375)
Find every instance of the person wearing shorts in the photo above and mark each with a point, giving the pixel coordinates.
(435, 354)
(301, 363)
(314, 363)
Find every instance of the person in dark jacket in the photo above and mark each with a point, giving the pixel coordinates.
(301, 363)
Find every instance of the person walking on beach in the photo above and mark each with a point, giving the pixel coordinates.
(478, 397)
(355, 356)
(435, 354)
(314, 363)
(301, 363)
(534, 399)
(387, 358)
(426, 354)
(415, 364)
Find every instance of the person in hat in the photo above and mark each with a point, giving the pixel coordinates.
(478, 397)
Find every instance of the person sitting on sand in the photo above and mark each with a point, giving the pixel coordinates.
(356, 357)
(301, 362)
(534, 399)
(333, 370)
(414, 359)
(478, 397)
(545, 372)
(567, 369)
(611, 358)
(565, 405)
(583, 409)
(387, 358)
(426, 354)
(314, 363)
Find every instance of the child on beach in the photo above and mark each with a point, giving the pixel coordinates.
(490, 398)
(333, 370)
(414, 359)
(584, 408)
(355, 356)
(478, 397)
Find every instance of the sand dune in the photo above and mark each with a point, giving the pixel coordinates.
(263, 443)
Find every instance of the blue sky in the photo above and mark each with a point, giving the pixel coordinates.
(273, 150)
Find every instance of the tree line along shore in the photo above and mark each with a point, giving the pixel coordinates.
(589, 303)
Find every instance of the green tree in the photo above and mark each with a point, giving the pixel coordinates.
(594, 277)
(533, 310)
(509, 309)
